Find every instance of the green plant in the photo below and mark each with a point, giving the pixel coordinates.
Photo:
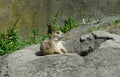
(35, 32)
(55, 28)
(42, 38)
(36, 38)
(93, 28)
(116, 21)
(54, 24)
(9, 41)
(30, 40)
(68, 25)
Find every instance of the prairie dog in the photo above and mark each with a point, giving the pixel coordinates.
(53, 45)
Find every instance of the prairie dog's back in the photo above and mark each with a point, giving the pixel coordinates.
(47, 47)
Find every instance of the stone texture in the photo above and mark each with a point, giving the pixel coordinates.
(105, 61)
(84, 28)
(88, 43)
(80, 9)
(97, 55)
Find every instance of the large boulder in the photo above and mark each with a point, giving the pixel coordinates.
(93, 55)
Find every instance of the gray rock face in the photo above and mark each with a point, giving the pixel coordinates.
(93, 55)
(84, 28)
(88, 43)
(56, 66)
(80, 9)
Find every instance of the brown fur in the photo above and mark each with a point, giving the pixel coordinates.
(53, 45)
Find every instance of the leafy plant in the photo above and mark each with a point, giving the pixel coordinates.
(9, 41)
(35, 32)
(54, 24)
(31, 40)
(68, 25)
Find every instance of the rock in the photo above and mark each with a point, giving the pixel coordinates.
(14, 61)
(57, 66)
(101, 52)
(105, 61)
(84, 28)
(51, 66)
(88, 43)
(84, 9)
(92, 55)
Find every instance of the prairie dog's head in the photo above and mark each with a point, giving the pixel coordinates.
(57, 35)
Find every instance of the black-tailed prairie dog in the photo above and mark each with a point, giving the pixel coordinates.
(53, 45)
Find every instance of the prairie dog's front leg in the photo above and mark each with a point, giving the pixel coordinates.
(61, 47)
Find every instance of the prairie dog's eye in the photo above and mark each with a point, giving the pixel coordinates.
(58, 32)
